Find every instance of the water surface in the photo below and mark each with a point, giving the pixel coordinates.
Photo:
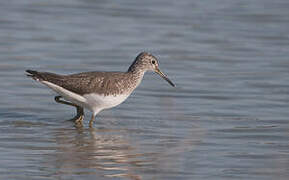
(227, 118)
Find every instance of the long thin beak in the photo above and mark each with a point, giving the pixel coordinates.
(164, 77)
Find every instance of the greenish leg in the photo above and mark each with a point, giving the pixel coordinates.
(80, 114)
(91, 120)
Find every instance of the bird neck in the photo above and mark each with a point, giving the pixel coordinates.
(136, 75)
(136, 72)
(136, 69)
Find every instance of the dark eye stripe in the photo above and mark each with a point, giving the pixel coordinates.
(153, 61)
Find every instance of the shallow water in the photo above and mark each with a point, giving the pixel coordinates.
(227, 118)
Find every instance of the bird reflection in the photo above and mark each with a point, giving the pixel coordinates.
(99, 152)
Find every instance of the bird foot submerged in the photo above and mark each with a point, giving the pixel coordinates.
(78, 118)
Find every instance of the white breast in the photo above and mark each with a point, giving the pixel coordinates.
(99, 102)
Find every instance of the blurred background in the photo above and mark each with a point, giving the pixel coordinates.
(228, 117)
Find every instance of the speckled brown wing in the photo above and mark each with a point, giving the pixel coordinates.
(77, 83)
(46, 76)
(106, 83)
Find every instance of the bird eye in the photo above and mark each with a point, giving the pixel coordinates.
(153, 61)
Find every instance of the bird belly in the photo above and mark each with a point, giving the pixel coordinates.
(99, 102)
(93, 101)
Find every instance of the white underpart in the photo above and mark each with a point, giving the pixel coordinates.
(99, 102)
(66, 94)
(93, 101)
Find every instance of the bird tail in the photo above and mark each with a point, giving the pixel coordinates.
(34, 75)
